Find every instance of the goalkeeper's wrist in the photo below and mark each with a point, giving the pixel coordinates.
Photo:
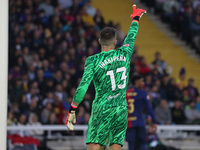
(136, 19)
(72, 108)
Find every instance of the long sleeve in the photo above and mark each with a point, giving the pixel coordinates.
(85, 82)
(149, 109)
(130, 38)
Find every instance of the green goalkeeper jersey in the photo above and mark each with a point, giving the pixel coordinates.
(110, 74)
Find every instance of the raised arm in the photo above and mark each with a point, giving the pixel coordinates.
(132, 33)
(80, 92)
(130, 38)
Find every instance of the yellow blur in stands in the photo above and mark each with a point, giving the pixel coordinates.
(150, 39)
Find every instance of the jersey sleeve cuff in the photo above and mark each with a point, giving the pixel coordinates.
(135, 21)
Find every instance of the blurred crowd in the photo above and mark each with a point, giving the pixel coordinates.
(183, 17)
(49, 41)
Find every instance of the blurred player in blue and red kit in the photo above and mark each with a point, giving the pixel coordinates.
(137, 99)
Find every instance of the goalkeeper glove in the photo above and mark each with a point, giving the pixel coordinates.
(71, 118)
(137, 13)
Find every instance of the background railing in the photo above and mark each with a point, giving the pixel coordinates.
(167, 131)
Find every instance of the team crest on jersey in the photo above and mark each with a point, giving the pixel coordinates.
(126, 45)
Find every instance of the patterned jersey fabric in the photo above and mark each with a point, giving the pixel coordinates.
(110, 74)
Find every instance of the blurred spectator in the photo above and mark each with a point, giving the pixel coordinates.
(178, 116)
(25, 82)
(36, 61)
(163, 113)
(52, 119)
(46, 112)
(192, 91)
(185, 96)
(164, 81)
(21, 122)
(155, 95)
(67, 16)
(15, 110)
(17, 91)
(153, 141)
(27, 56)
(197, 106)
(16, 72)
(180, 82)
(120, 33)
(48, 99)
(161, 63)
(40, 79)
(90, 9)
(192, 114)
(186, 22)
(144, 69)
(32, 93)
(33, 121)
(156, 72)
(58, 77)
(99, 20)
(47, 7)
(196, 3)
(33, 106)
(171, 8)
(10, 119)
(58, 106)
(60, 93)
(23, 105)
(49, 86)
(161, 90)
(148, 83)
(65, 3)
(169, 5)
(63, 116)
(195, 31)
(172, 91)
(31, 72)
(86, 18)
(159, 6)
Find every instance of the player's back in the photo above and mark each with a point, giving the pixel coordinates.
(111, 72)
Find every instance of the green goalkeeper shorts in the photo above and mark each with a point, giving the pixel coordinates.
(110, 123)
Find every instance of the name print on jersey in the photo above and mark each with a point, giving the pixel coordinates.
(112, 59)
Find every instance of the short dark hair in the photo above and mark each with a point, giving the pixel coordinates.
(135, 78)
(107, 35)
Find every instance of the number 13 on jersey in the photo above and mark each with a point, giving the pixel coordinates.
(112, 78)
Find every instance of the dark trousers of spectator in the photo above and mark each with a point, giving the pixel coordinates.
(136, 138)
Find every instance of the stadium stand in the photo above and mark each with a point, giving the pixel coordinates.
(49, 41)
(183, 17)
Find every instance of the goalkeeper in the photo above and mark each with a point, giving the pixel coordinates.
(109, 71)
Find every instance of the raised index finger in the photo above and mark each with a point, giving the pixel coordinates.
(134, 7)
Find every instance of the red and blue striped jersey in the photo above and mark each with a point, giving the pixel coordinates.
(137, 99)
